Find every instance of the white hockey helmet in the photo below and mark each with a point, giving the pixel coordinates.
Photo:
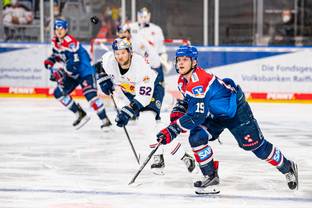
(144, 16)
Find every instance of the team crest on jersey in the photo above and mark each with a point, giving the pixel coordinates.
(126, 87)
(198, 91)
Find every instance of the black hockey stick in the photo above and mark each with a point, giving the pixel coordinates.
(127, 134)
(145, 162)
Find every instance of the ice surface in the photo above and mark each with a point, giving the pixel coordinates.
(46, 163)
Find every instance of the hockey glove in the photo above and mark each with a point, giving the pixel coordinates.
(127, 113)
(49, 63)
(168, 134)
(57, 74)
(124, 115)
(178, 110)
(106, 85)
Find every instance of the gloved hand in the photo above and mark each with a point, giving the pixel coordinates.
(107, 85)
(168, 134)
(124, 115)
(57, 74)
(49, 63)
(178, 110)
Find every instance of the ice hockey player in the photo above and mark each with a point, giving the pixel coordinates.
(141, 47)
(77, 71)
(209, 106)
(154, 36)
(140, 84)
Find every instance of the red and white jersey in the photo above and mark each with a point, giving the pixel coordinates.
(198, 85)
(69, 43)
(138, 80)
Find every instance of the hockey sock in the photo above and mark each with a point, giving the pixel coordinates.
(68, 102)
(204, 156)
(273, 156)
(98, 106)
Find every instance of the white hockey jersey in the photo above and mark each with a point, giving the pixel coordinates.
(138, 80)
(143, 48)
(153, 34)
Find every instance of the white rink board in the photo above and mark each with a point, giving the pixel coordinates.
(45, 163)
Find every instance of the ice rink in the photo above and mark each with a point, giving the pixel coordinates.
(45, 163)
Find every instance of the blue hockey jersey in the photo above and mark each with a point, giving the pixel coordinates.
(207, 96)
(75, 57)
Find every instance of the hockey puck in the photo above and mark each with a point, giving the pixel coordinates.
(94, 20)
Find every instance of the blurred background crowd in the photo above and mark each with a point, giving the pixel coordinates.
(239, 22)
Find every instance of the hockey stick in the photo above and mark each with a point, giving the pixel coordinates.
(145, 162)
(127, 134)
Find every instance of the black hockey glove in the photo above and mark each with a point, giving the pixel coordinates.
(106, 84)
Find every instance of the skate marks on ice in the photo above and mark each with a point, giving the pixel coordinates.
(41, 154)
(162, 195)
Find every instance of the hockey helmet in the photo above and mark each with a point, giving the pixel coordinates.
(144, 16)
(185, 51)
(192, 48)
(122, 43)
(60, 23)
(188, 51)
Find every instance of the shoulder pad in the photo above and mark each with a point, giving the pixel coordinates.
(70, 43)
(200, 83)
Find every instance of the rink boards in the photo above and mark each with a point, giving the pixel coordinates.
(264, 73)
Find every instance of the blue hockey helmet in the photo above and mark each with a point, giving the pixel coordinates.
(60, 23)
(195, 52)
(122, 43)
(188, 51)
(184, 51)
(192, 48)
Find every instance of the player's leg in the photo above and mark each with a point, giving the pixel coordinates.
(62, 93)
(88, 85)
(246, 131)
(203, 153)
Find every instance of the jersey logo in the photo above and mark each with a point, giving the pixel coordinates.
(127, 87)
(72, 46)
(198, 91)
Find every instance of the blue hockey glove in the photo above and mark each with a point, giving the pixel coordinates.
(169, 133)
(178, 110)
(124, 115)
(128, 112)
(106, 85)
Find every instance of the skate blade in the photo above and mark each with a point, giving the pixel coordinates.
(158, 171)
(107, 129)
(296, 175)
(211, 190)
(83, 122)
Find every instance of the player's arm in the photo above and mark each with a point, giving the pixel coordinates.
(104, 80)
(195, 115)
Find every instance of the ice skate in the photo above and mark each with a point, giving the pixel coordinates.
(292, 176)
(82, 118)
(209, 184)
(189, 162)
(158, 165)
(105, 123)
